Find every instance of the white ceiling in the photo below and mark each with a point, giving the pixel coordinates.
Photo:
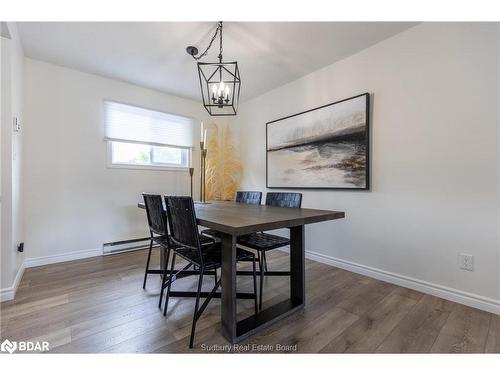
(152, 55)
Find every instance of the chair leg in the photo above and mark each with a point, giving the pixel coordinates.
(265, 260)
(164, 278)
(261, 270)
(215, 276)
(169, 284)
(195, 315)
(147, 264)
(255, 284)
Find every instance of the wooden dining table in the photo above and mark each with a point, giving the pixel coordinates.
(233, 219)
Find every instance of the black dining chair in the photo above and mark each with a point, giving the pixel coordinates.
(263, 242)
(158, 230)
(249, 197)
(184, 235)
(246, 197)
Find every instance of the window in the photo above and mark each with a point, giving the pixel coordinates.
(137, 154)
(146, 139)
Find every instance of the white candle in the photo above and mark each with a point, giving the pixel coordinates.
(201, 133)
(205, 138)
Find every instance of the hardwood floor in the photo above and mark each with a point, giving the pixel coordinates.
(97, 305)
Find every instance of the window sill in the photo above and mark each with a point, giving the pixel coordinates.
(147, 167)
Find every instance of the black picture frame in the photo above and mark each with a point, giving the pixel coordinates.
(367, 147)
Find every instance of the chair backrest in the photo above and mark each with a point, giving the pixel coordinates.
(182, 222)
(157, 218)
(292, 200)
(249, 197)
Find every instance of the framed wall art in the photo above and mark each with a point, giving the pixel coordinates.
(322, 148)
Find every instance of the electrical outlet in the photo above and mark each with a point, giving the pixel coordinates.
(466, 262)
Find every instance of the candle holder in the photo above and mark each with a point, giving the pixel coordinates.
(203, 157)
(202, 170)
(191, 172)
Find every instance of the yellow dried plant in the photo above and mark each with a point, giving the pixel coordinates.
(223, 172)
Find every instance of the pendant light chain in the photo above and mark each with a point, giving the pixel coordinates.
(220, 47)
(219, 28)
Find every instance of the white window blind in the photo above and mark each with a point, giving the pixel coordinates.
(127, 123)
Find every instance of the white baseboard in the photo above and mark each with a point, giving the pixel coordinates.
(65, 257)
(7, 294)
(465, 298)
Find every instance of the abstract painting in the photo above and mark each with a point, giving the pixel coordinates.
(322, 148)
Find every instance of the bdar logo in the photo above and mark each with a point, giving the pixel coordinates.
(24, 346)
(8, 346)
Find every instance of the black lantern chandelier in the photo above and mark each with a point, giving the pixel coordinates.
(220, 82)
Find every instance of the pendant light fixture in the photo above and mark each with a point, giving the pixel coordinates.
(220, 82)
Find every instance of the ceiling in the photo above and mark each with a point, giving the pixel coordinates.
(152, 54)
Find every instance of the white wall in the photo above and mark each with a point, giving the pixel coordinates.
(434, 159)
(73, 202)
(12, 67)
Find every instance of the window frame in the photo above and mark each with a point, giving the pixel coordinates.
(153, 166)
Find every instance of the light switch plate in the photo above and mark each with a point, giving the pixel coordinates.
(17, 124)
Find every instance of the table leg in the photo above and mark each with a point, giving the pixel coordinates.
(297, 265)
(235, 331)
(228, 285)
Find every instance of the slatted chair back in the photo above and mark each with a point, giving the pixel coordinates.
(157, 218)
(291, 200)
(249, 197)
(182, 222)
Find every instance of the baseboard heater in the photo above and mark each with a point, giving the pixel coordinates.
(125, 245)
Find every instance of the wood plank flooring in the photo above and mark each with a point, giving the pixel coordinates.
(97, 305)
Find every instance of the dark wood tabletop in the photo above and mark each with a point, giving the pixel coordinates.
(239, 218)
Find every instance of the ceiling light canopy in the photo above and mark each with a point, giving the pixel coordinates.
(220, 82)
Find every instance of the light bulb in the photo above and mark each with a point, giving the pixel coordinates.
(214, 88)
(227, 92)
(221, 88)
